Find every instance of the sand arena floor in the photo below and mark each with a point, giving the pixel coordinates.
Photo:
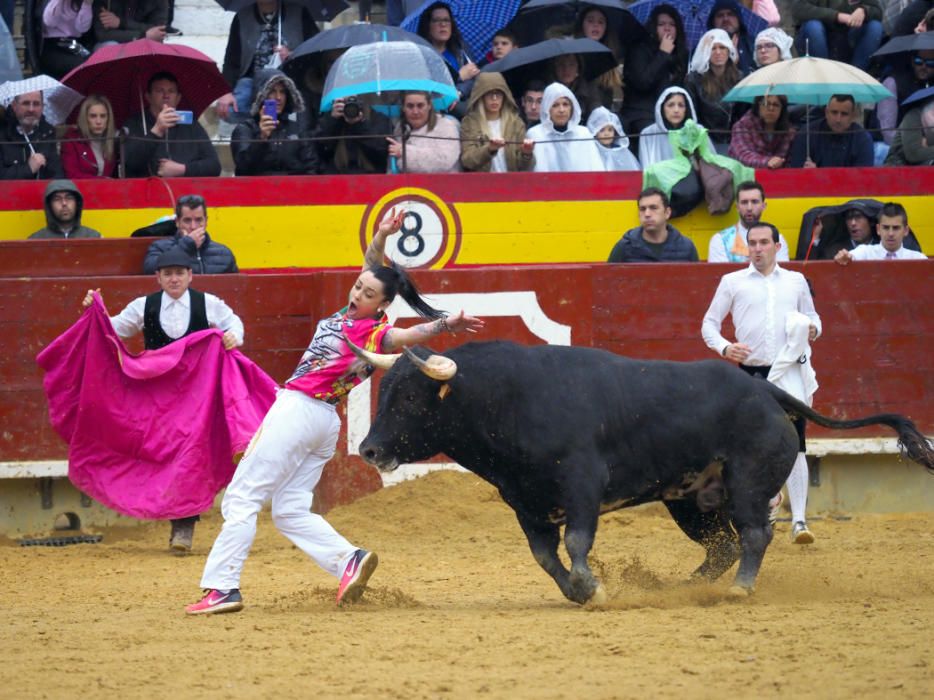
(458, 609)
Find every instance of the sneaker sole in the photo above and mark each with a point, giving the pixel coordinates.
(221, 608)
(804, 538)
(354, 591)
(179, 548)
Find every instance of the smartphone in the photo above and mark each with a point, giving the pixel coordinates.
(270, 108)
(184, 116)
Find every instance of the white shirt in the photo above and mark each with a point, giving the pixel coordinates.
(759, 306)
(175, 315)
(498, 164)
(876, 251)
(717, 252)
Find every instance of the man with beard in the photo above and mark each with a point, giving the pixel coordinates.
(729, 245)
(63, 207)
(27, 145)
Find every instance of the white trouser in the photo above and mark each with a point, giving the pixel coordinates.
(283, 462)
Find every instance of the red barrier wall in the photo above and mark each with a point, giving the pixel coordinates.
(874, 355)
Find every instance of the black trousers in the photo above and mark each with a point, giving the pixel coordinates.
(762, 372)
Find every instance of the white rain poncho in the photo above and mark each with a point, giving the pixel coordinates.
(700, 61)
(774, 35)
(573, 149)
(617, 157)
(653, 139)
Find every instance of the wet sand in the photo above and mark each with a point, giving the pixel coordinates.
(459, 609)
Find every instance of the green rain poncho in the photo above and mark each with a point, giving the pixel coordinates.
(691, 139)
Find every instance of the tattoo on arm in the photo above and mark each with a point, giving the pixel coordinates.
(374, 253)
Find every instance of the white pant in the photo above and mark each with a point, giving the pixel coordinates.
(283, 462)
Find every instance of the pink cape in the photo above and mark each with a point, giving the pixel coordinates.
(154, 435)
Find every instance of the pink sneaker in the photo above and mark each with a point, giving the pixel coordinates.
(357, 572)
(217, 602)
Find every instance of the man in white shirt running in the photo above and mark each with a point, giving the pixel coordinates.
(164, 317)
(759, 298)
(729, 245)
(892, 229)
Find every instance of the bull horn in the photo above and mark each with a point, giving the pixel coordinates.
(436, 366)
(376, 359)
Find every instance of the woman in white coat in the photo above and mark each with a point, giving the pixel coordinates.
(673, 107)
(561, 143)
(612, 141)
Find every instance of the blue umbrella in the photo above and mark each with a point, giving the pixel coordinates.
(380, 72)
(477, 21)
(694, 14)
(918, 96)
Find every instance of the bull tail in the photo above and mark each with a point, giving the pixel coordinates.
(911, 442)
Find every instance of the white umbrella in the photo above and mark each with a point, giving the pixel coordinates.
(58, 100)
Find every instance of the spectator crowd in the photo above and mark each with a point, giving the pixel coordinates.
(559, 119)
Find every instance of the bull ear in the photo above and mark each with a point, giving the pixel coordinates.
(376, 359)
(436, 366)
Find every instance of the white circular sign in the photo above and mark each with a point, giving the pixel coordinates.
(422, 237)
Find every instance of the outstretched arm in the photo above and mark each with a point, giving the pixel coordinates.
(391, 223)
(396, 338)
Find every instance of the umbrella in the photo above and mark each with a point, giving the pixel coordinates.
(120, 73)
(694, 14)
(381, 71)
(520, 66)
(309, 52)
(477, 21)
(58, 99)
(320, 10)
(909, 42)
(918, 96)
(809, 81)
(536, 16)
(10, 68)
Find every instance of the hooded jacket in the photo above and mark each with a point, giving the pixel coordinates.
(475, 132)
(616, 157)
(744, 43)
(210, 259)
(53, 229)
(15, 151)
(284, 152)
(715, 114)
(653, 140)
(573, 149)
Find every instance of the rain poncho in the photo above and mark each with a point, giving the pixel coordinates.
(618, 156)
(653, 144)
(573, 149)
(691, 139)
(700, 61)
(776, 36)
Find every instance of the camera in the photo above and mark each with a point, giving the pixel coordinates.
(351, 107)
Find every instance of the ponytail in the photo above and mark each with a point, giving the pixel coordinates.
(397, 281)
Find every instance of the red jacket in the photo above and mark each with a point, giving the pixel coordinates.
(78, 159)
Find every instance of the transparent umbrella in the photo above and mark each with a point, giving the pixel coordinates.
(379, 73)
(58, 100)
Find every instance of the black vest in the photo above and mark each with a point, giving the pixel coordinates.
(153, 335)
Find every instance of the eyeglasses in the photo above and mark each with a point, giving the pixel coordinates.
(440, 20)
(765, 47)
(926, 62)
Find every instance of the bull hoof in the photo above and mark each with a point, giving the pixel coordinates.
(737, 592)
(599, 596)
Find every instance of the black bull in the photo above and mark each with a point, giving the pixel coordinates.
(568, 433)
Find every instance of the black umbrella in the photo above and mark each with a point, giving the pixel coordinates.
(537, 16)
(909, 42)
(520, 66)
(320, 10)
(309, 53)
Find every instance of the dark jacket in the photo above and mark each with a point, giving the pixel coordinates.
(211, 259)
(835, 236)
(245, 32)
(718, 116)
(282, 153)
(354, 155)
(633, 248)
(850, 149)
(53, 229)
(136, 16)
(908, 146)
(647, 72)
(14, 151)
(185, 143)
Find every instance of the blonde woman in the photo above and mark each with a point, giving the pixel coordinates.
(493, 133)
(431, 141)
(89, 149)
